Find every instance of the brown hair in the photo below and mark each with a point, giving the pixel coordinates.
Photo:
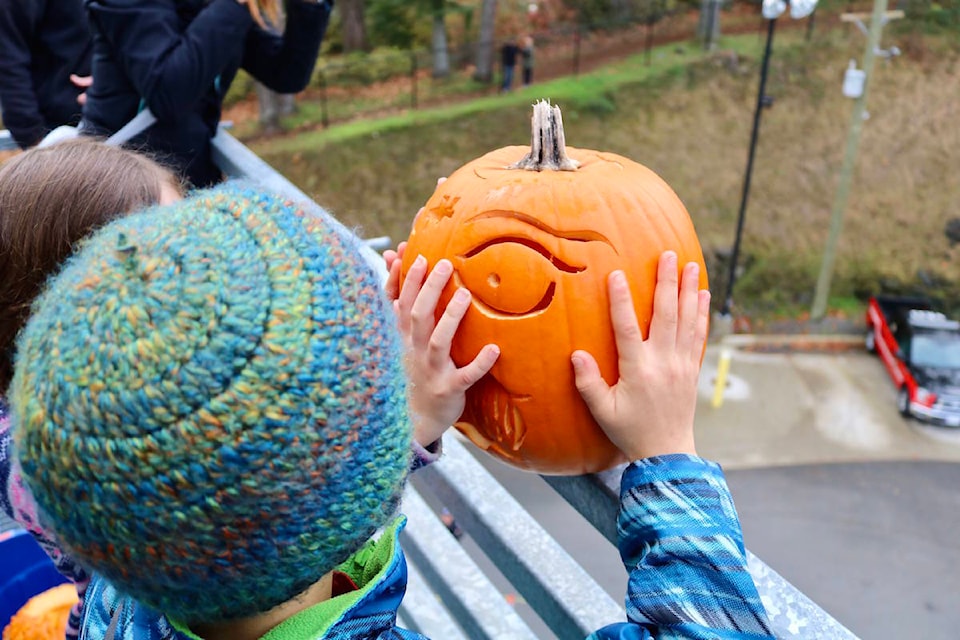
(50, 198)
(265, 12)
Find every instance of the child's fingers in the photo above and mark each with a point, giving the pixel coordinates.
(392, 286)
(442, 337)
(469, 374)
(394, 260)
(703, 323)
(408, 294)
(626, 330)
(688, 306)
(593, 389)
(423, 312)
(663, 325)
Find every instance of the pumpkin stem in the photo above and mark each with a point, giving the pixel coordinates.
(548, 149)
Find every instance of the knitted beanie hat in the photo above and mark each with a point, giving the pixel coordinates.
(209, 404)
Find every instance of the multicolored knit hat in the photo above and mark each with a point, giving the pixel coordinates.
(209, 404)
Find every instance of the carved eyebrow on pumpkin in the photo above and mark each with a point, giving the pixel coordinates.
(575, 235)
(527, 242)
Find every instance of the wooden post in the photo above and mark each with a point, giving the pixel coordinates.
(822, 292)
(324, 112)
(576, 51)
(413, 79)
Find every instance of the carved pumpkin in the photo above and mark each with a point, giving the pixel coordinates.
(534, 238)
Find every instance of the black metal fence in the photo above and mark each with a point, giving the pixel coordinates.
(364, 84)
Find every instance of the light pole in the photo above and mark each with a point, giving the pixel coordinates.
(772, 9)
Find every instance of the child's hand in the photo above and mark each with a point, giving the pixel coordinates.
(437, 387)
(649, 412)
(394, 260)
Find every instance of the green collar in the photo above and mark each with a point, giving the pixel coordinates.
(367, 567)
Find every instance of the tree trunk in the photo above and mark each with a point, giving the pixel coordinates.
(708, 29)
(273, 106)
(441, 55)
(354, 28)
(485, 48)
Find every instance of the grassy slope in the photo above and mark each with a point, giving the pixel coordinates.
(688, 118)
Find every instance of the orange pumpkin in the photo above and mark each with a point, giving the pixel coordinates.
(534, 237)
(44, 617)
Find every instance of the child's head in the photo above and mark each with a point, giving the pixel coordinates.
(52, 197)
(209, 404)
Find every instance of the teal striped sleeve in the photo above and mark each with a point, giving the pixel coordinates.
(681, 542)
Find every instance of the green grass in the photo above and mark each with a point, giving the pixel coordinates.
(582, 90)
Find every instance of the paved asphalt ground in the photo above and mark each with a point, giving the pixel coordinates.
(857, 507)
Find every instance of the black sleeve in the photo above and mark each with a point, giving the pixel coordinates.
(18, 99)
(285, 63)
(170, 68)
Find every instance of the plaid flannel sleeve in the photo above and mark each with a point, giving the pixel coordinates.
(680, 540)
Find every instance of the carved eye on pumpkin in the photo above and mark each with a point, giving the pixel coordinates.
(511, 276)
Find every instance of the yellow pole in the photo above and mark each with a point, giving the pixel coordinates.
(723, 367)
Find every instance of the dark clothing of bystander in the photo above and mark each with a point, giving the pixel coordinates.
(508, 60)
(178, 57)
(42, 42)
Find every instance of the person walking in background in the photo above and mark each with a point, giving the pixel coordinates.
(178, 58)
(527, 60)
(44, 66)
(508, 60)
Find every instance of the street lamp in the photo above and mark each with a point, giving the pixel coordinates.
(772, 9)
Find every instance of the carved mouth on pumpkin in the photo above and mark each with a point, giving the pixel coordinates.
(492, 419)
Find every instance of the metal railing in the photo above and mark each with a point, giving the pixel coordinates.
(565, 598)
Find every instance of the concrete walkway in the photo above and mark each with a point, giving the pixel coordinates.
(810, 408)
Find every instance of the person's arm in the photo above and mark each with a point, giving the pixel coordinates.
(680, 540)
(18, 99)
(285, 63)
(679, 535)
(171, 68)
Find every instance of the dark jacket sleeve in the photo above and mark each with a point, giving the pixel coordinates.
(285, 63)
(18, 99)
(171, 68)
(680, 540)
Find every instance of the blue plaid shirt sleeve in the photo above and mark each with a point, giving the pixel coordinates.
(680, 540)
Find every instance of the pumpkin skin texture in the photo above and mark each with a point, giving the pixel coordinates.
(535, 249)
(44, 616)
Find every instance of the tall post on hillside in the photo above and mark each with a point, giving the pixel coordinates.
(822, 292)
(762, 101)
(771, 10)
